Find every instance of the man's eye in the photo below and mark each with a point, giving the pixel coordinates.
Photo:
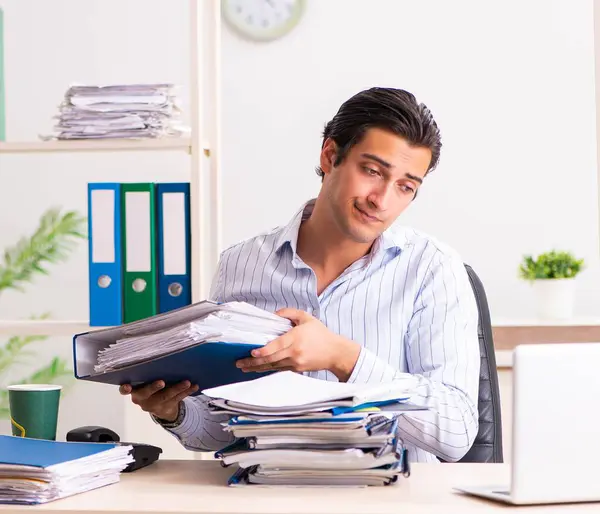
(371, 171)
(405, 188)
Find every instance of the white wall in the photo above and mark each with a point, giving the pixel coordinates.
(511, 84)
(50, 45)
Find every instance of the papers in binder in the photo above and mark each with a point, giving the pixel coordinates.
(199, 343)
(236, 322)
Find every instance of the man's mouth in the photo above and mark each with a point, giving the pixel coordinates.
(365, 215)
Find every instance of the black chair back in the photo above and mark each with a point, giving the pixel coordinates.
(488, 442)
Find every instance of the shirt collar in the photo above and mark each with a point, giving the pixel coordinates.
(289, 233)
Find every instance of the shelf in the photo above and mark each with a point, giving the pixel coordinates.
(535, 322)
(96, 145)
(43, 327)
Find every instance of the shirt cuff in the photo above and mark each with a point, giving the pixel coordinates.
(363, 369)
(188, 425)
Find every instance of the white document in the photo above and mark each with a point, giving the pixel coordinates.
(286, 389)
(310, 459)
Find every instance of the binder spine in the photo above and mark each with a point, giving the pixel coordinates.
(104, 258)
(173, 245)
(138, 250)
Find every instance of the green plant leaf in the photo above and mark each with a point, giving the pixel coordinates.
(550, 265)
(13, 349)
(56, 370)
(51, 242)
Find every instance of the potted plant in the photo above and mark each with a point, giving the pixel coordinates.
(552, 275)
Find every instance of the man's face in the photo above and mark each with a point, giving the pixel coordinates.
(373, 185)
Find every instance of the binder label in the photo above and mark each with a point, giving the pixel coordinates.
(174, 247)
(137, 230)
(103, 225)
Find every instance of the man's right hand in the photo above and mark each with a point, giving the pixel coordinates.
(160, 401)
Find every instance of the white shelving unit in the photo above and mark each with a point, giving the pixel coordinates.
(203, 147)
(107, 145)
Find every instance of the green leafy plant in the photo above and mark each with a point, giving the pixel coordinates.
(53, 240)
(550, 265)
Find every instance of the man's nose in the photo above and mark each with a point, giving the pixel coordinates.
(379, 199)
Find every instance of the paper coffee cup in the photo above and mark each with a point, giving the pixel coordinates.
(34, 410)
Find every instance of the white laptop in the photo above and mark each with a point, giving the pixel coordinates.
(556, 426)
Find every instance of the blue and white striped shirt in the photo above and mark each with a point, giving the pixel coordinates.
(408, 303)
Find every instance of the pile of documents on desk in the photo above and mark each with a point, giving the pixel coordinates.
(291, 429)
(119, 111)
(39, 471)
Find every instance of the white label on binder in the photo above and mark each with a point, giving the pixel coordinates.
(174, 243)
(103, 225)
(137, 231)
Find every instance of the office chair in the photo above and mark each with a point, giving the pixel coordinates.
(488, 442)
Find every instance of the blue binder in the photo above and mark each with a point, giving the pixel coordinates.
(173, 248)
(208, 365)
(104, 244)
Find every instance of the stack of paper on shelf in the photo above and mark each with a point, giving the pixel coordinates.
(39, 471)
(200, 343)
(119, 111)
(291, 429)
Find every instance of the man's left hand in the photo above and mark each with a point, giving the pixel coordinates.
(308, 346)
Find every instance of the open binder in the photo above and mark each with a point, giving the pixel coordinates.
(199, 342)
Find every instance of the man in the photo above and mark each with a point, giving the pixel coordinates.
(369, 303)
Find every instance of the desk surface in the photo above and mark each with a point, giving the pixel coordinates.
(189, 486)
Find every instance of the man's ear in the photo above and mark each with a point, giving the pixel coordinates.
(328, 155)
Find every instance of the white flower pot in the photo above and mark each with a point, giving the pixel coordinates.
(555, 298)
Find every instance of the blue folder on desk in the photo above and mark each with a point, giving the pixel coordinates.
(207, 364)
(41, 453)
(34, 471)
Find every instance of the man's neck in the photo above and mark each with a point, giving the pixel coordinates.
(323, 247)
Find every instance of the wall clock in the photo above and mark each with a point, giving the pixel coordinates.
(262, 20)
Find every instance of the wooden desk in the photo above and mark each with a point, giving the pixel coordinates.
(189, 486)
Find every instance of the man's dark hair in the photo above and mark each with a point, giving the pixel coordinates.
(390, 109)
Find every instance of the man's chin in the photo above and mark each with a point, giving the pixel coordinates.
(363, 236)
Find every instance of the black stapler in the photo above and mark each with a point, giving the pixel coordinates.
(143, 454)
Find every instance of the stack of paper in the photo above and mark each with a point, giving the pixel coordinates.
(295, 430)
(38, 471)
(200, 343)
(237, 322)
(119, 111)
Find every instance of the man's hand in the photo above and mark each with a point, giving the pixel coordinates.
(158, 400)
(308, 346)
